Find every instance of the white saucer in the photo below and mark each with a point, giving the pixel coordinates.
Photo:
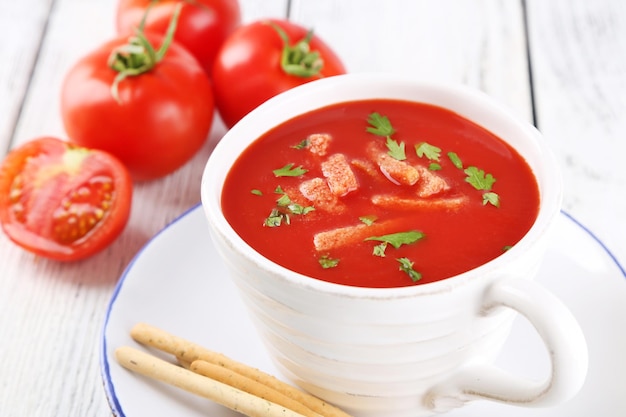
(178, 283)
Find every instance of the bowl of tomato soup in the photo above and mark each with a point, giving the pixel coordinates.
(373, 224)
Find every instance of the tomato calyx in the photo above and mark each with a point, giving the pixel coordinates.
(298, 59)
(138, 56)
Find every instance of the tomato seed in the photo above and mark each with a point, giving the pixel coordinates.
(82, 209)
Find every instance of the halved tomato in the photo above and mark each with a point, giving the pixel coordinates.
(62, 201)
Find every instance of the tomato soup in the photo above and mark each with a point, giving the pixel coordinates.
(380, 193)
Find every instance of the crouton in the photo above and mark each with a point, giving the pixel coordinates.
(430, 183)
(391, 201)
(396, 171)
(318, 143)
(341, 179)
(350, 235)
(366, 166)
(318, 192)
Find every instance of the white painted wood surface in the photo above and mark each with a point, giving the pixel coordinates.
(51, 314)
(578, 54)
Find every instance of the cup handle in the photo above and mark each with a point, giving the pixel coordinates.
(563, 339)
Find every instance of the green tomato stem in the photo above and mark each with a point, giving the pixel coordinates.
(298, 59)
(138, 56)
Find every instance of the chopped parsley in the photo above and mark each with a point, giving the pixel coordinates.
(298, 209)
(295, 208)
(303, 144)
(256, 192)
(478, 179)
(368, 220)
(407, 266)
(276, 218)
(284, 208)
(381, 126)
(328, 262)
(427, 150)
(379, 250)
(456, 161)
(283, 201)
(396, 150)
(289, 171)
(491, 198)
(398, 239)
(482, 181)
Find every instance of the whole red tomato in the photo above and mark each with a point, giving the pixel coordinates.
(203, 26)
(153, 122)
(62, 201)
(265, 58)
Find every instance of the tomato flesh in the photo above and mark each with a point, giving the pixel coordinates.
(62, 201)
(82, 210)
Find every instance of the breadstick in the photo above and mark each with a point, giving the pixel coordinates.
(185, 364)
(227, 376)
(189, 352)
(233, 398)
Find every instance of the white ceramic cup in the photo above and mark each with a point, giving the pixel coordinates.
(408, 351)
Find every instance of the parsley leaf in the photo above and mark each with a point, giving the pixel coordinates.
(289, 171)
(368, 220)
(478, 179)
(283, 201)
(491, 198)
(407, 266)
(276, 218)
(429, 151)
(398, 239)
(328, 262)
(379, 250)
(285, 207)
(456, 161)
(298, 209)
(434, 166)
(396, 150)
(256, 192)
(303, 144)
(380, 125)
(294, 208)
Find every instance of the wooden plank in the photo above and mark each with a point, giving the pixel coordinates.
(76, 27)
(477, 43)
(579, 72)
(21, 30)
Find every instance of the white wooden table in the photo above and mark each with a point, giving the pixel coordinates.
(559, 63)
